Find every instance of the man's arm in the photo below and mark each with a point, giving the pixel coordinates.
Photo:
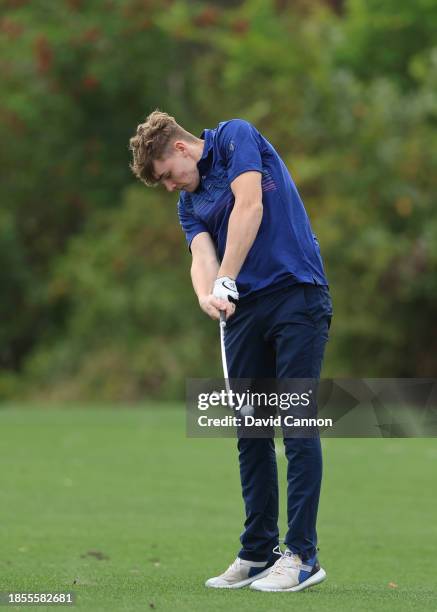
(204, 268)
(244, 222)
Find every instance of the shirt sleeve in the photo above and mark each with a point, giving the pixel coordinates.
(240, 146)
(189, 223)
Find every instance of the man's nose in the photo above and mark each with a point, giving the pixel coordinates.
(169, 185)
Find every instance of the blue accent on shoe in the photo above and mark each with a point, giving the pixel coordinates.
(256, 570)
(315, 566)
(303, 575)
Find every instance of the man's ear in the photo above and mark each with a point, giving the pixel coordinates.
(180, 147)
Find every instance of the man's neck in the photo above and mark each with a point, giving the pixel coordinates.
(197, 149)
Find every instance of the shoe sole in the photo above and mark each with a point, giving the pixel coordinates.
(242, 583)
(318, 577)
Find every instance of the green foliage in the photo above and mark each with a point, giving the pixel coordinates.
(386, 38)
(134, 327)
(77, 76)
(94, 265)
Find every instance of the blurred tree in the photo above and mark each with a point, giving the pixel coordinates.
(385, 38)
(75, 75)
(134, 329)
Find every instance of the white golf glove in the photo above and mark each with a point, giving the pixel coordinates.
(225, 289)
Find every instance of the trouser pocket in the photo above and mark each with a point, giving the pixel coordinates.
(318, 303)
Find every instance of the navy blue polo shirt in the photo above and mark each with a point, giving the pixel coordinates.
(285, 250)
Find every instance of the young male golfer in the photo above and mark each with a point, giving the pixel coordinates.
(251, 242)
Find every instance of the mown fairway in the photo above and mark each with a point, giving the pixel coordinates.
(122, 503)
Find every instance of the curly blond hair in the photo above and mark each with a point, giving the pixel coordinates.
(153, 141)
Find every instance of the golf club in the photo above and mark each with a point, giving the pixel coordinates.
(245, 410)
(222, 324)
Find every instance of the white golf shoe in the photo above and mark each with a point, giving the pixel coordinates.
(239, 574)
(290, 573)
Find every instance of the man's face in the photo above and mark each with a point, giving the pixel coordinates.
(178, 171)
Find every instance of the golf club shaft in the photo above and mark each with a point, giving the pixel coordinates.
(223, 350)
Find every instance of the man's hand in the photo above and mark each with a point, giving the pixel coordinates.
(212, 305)
(225, 289)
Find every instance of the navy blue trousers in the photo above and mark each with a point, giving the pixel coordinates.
(281, 334)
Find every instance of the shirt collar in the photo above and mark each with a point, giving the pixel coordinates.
(204, 162)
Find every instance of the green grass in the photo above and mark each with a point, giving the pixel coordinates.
(166, 511)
